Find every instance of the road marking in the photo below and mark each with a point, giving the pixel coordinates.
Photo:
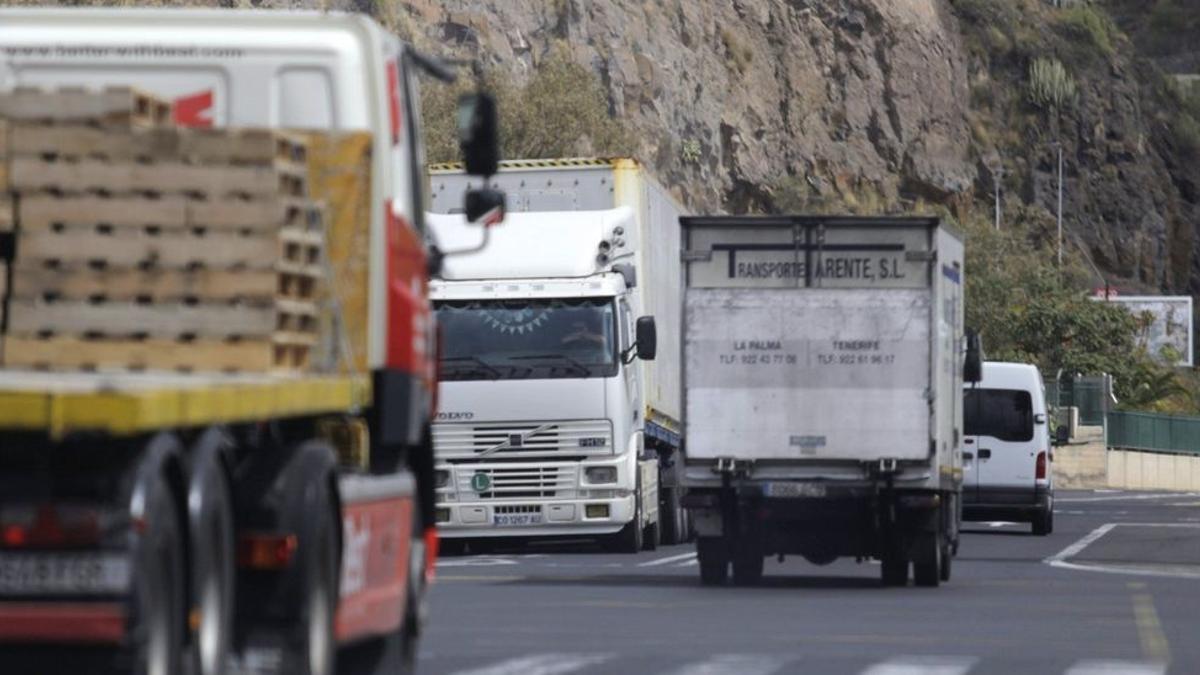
(475, 562)
(1120, 498)
(733, 664)
(1115, 668)
(1061, 559)
(1150, 632)
(479, 577)
(690, 563)
(999, 523)
(667, 560)
(922, 665)
(541, 664)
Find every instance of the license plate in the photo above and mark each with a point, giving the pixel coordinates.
(516, 519)
(795, 490)
(63, 573)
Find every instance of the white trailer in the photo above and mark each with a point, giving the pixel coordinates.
(823, 363)
(558, 246)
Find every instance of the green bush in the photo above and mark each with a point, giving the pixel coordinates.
(1087, 23)
(562, 111)
(1051, 87)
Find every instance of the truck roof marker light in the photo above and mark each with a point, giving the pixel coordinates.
(266, 551)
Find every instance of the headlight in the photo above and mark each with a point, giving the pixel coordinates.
(601, 474)
(441, 478)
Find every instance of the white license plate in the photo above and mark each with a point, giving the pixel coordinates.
(63, 573)
(516, 519)
(795, 490)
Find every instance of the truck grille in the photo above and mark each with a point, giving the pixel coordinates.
(517, 483)
(522, 440)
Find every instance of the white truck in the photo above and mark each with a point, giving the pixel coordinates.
(549, 422)
(823, 364)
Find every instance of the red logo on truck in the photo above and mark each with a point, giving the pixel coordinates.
(194, 110)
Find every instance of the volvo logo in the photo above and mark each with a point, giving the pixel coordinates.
(455, 416)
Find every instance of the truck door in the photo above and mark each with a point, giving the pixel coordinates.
(1000, 424)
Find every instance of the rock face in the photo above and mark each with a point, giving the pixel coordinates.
(727, 98)
(845, 100)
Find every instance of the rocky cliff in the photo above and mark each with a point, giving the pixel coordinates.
(760, 105)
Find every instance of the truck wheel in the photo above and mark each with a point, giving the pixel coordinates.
(631, 537)
(947, 556)
(210, 515)
(159, 584)
(671, 515)
(927, 570)
(893, 567)
(713, 556)
(748, 561)
(318, 650)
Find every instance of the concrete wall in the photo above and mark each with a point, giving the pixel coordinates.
(1091, 466)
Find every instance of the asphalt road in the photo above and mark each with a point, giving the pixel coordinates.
(1115, 589)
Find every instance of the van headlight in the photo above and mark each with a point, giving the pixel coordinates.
(599, 475)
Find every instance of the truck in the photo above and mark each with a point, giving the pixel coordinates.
(187, 482)
(543, 432)
(823, 360)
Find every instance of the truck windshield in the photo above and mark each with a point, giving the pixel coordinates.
(1003, 414)
(528, 338)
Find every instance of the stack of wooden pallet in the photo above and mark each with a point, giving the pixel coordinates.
(140, 245)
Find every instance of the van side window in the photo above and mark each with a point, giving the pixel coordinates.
(1004, 414)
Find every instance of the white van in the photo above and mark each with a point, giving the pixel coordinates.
(1006, 449)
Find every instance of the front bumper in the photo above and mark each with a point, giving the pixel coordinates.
(558, 517)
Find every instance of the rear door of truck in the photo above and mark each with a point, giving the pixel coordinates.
(807, 340)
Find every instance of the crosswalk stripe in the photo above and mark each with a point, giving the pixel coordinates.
(733, 664)
(667, 560)
(1116, 668)
(540, 664)
(922, 665)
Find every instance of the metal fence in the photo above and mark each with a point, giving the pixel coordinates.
(1087, 393)
(1151, 431)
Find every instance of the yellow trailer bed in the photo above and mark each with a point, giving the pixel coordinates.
(124, 404)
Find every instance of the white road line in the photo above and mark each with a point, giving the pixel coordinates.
(540, 664)
(1120, 498)
(690, 563)
(667, 560)
(1061, 559)
(475, 562)
(923, 665)
(1116, 668)
(733, 664)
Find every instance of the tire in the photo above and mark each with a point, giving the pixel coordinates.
(945, 569)
(317, 649)
(159, 584)
(713, 557)
(673, 517)
(210, 516)
(748, 562)
(893, 569)
(631, 537)
(928, 570)
(650, 538)
(1043, 523)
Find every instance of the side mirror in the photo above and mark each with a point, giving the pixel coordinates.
(973, 364)
(1062, 435)
(647, 338)
(484, 206)
(478, 135)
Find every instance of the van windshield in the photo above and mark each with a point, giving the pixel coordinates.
(1004, 414)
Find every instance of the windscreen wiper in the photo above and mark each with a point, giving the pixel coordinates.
(487, 367)
(584, 370)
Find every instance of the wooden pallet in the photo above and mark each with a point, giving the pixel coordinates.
(73, 353)
(38, 211)
(253, 147)
(102, 247)
(114, 106)
(80, 282)
(89, 176)
(127, 320)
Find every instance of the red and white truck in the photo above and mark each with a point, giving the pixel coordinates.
(207, 522)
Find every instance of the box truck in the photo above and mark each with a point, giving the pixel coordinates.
(823, 367)
(539, 433)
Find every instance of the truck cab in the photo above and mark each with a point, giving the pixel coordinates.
(540, 429)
